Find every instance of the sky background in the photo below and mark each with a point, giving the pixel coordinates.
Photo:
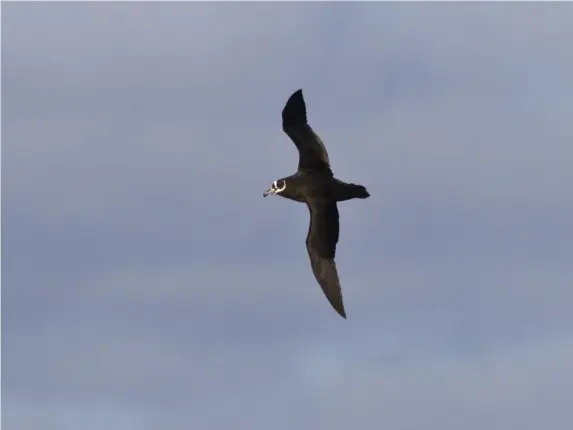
(148, 285)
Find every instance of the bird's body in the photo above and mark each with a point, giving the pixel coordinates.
(304, 186)
(315, 184)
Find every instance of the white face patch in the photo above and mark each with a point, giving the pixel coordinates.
(278, 189)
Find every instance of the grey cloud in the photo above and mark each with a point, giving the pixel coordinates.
(459, 393)
(524, 386)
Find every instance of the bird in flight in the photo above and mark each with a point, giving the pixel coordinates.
(315, 185)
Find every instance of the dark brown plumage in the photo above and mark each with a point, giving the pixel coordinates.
(315, 185)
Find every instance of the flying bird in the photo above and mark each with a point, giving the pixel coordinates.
(315, 185)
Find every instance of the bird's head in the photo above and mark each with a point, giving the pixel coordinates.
(277, 187)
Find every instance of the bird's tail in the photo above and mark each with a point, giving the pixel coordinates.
(359, 192)
(352, 191)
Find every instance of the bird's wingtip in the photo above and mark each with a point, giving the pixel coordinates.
(297, 93)
(340, 310)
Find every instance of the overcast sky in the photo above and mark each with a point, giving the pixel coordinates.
(148, 285)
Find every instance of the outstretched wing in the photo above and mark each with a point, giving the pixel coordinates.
(312, 153)
(321, 243)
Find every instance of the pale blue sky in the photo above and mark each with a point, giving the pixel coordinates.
(148, 285)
